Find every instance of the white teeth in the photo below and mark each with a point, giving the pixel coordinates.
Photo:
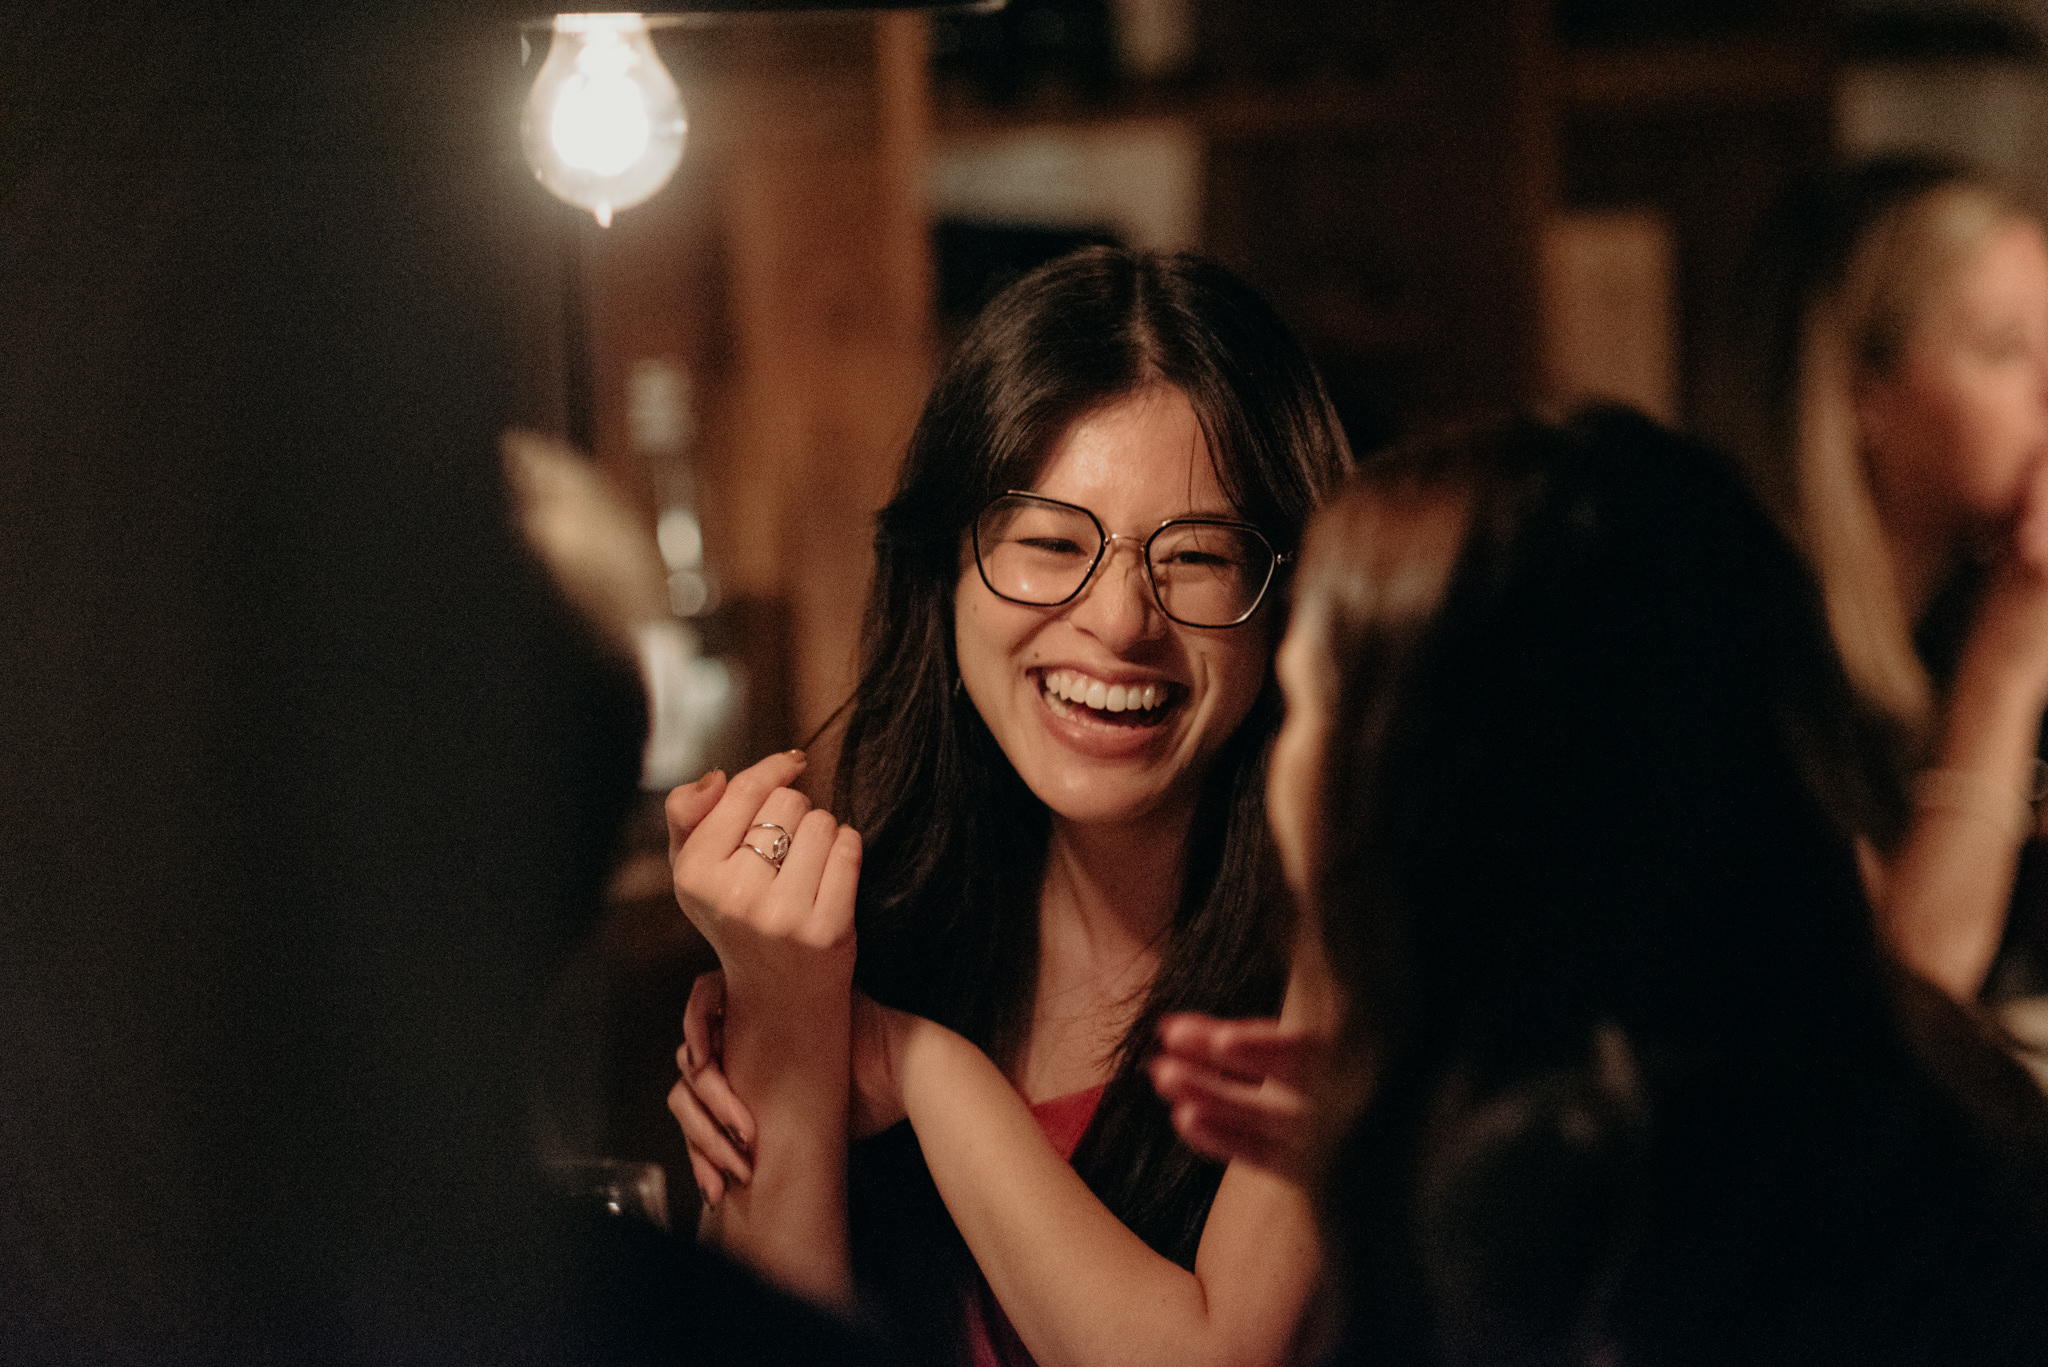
(1073, 687)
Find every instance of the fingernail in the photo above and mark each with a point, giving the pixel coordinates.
(705, 782)
(800, 757)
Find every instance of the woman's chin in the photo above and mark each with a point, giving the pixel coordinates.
(1107, 800)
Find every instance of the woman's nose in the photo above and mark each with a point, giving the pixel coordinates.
(1117, 606)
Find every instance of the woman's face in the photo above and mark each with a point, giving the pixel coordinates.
(1042, 677)
(1294, 774)
(1956, 428)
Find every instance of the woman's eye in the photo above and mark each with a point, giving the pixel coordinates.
(1051, 545)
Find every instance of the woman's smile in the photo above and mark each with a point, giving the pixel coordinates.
(1138, 702)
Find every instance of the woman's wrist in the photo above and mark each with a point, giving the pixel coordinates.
(1984, 798)
(1989, 741)
(778, 1037)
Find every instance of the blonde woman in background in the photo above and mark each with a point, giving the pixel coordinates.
(1902, 382)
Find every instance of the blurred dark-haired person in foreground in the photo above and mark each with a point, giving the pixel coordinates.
(1624, 1075)
(308, 773)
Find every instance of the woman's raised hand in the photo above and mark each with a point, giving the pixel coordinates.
(1245, 1090)
(1941, 897)
(770, 882)
(767, 878)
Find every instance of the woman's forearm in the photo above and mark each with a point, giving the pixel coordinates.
(1948, 885)
(1080, 1287)
(789, 1063)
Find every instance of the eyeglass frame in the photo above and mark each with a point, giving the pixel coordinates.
(1144, 556)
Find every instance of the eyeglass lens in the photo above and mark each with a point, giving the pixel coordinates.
(1040, 552)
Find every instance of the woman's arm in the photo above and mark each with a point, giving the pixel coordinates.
(1079, 1287)
(784, 938)
(1943, 897)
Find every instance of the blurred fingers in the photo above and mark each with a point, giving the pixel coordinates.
(1246, 1049)
(838, 884)
(2030, 535)
(814, 892)
(703, 1015)
(1227, 1119)
(790, 900)
(1228, 1137)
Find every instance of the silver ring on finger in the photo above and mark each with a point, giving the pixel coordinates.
(778, 848)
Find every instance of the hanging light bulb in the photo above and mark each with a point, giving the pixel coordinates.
(603, 127)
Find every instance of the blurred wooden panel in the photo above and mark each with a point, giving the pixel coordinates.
(1608, 321)
(1396, 219)
(1704, 128)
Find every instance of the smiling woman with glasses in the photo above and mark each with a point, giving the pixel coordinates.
(1054, 761)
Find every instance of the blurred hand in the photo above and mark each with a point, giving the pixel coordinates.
(770, 882)
(1248, 1091)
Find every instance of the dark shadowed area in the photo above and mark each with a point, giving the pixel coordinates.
(308, 777)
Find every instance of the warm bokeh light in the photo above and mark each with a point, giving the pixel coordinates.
(603, 127)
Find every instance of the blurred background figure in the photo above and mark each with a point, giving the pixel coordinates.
(1900, 310)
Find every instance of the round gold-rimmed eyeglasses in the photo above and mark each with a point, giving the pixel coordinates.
(1205, 571)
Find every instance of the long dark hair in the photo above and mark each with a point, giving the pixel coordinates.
(1640, 1089)
(955, 843)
